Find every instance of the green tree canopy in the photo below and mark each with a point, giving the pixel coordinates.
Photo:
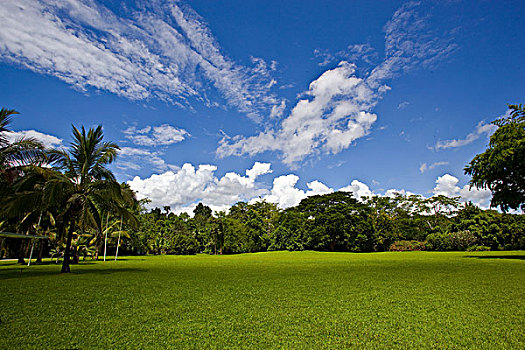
(501, 168)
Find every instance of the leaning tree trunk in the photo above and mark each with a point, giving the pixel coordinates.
(67, 253)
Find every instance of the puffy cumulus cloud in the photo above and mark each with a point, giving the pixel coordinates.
(46, 139)
(258, 169)
(335, 115)
(447, 185)
(162, 135)
(480, 129)
(338, 106)
(154, 48)
(358, 189)
(182, 189)
(285, 193)
(392, 193)
(424, 167)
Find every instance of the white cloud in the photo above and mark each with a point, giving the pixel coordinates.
(447, 185)
(150, 49)
(480, 129)
(424, 167)
(46, 139)
(162, 135)
(357, 53)
(409, 44)
(285, 194)
(134, 158)
(403, 105)
(325, 56)
(358, 189)
(338, 107)
(392, 193)
(278, 110)
(258, 169)
(334, 116)
(182, 189)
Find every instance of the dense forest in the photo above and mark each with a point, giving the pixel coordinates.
(331, 222)
(71, 199)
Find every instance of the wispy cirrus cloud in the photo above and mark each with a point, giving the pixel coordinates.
(149, 49)
(403, 105)
(132, 158)
(358, 53)
(162, 135)
(410, 43)
(424, 167)
(338, 105)
(481, 128)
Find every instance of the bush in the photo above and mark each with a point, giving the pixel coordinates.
(406, 246)
(183, 244)
(439, 241)
(478, 248)
(459, 240)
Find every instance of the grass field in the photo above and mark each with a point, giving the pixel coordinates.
(269, 300)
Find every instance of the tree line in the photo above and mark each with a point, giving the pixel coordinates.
(72, 198)
(330, 222)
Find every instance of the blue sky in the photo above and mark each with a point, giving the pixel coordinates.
(221, 101)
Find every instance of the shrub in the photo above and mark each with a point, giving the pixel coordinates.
(405, 246)
(439, 241)
(478, 248)
(459, 240)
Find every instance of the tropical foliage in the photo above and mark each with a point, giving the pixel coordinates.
(501, 168)
(332, 222)
(67, 199)
(71, 197)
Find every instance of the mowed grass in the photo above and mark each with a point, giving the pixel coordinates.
(417, 300)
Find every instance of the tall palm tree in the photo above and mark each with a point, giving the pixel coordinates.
(78, 189)
(85, 184)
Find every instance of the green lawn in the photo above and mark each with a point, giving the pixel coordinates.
(269, 300)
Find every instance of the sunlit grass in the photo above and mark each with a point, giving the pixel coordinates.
(269, 300)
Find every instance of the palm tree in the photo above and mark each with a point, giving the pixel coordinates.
(13, 157)
(78, 190)
(18, 153)
(85, 184)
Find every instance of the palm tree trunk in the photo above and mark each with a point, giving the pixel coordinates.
(21, 255)
(67, 253)
(40, 251)
(98, 244)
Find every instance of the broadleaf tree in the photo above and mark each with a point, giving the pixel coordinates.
(501, 168)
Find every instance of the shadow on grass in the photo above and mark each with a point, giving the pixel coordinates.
(514, 257)
(24, 272)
